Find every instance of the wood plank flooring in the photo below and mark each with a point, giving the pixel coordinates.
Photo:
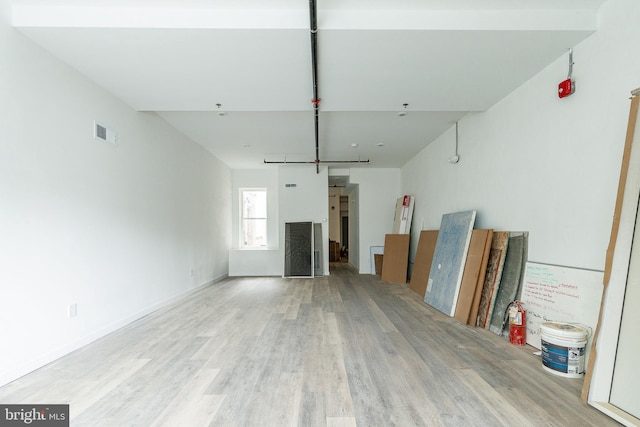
(343, 350)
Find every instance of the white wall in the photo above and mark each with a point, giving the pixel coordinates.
(307, 201)
(257, 262)
(378, 190)
(539, 163)
(118, 230)
(258, 178)
(372, 197)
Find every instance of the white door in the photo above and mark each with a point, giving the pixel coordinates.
(626, 375)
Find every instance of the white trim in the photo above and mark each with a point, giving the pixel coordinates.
(620, 416)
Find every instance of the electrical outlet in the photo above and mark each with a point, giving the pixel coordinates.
(73, 310)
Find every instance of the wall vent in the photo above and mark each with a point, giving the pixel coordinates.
(104, 133)
(290, 185)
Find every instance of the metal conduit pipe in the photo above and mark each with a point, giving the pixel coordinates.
(284, 162)
(313, 31)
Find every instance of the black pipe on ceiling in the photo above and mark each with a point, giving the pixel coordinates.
(313, 26)
(313, 31)
(284, 162)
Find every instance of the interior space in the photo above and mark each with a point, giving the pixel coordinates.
(158, 160)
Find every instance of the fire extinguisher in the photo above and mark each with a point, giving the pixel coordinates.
(517, 324)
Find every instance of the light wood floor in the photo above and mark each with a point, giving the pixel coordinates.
(343, 350)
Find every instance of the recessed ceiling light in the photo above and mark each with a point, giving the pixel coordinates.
(246, 145)
(354, 145)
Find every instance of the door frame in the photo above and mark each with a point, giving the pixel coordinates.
(611, 311)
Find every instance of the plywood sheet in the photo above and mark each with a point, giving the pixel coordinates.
(373, 251)
(377, 258)
(510, 280)
(445, 275)
(472, 268)
(422, 265)
(396, 258)
(473, 313)
(497, 255)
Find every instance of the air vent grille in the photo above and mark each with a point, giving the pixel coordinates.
(101, 132)
(104, 133)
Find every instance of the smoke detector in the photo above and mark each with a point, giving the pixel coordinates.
(221, 113)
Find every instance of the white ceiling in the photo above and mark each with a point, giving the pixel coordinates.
(180, 58)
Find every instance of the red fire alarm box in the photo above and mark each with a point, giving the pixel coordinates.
(566, 88)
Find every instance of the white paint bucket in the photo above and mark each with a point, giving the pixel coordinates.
(563, 348)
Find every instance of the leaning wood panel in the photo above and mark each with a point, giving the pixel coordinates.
(511, 279)
(448, 262)
(472, 269)
(422, 265)
(492, 279)
(473, 313)
(624, 171)
(396, 258)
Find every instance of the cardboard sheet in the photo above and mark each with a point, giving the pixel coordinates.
(422, 265)
(396, 258)
(373, 251)
(377, 259)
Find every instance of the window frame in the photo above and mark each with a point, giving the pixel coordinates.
(243, 219)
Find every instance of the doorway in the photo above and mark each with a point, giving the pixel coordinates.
(343, 217)
(344, 253)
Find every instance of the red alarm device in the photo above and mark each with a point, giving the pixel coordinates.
(567, 87)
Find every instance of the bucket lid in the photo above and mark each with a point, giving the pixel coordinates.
(565, 330)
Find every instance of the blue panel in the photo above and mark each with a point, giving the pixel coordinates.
(448, 262)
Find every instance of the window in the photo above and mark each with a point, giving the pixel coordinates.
(253, 217)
